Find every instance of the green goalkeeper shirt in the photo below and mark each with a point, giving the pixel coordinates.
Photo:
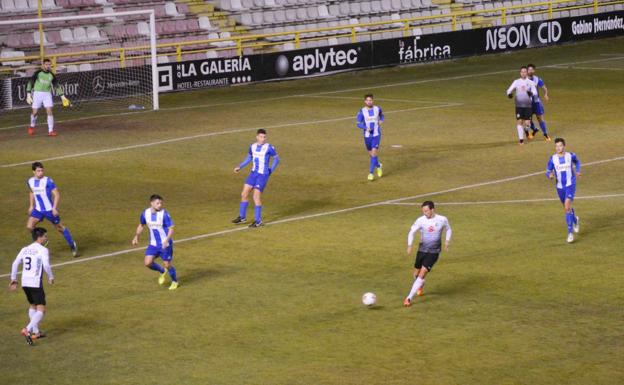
(44, 81)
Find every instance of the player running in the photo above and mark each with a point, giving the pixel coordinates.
(525, 89)
(160, 226)
(537, 106)
(369, 120)
(560, 167)
(430, 226)
(44, 201)
(39, 93)
(260, 153)
(34, 259)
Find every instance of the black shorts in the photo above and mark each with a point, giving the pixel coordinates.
(426, 260)
(524, 113)
(35, 295)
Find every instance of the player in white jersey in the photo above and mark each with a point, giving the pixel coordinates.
(430, 226)
(160, 226)
(44, 200)
(524, 89)
(369, 120)
(35, 259)
(259, 155)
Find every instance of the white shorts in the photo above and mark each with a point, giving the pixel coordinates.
(42, 98)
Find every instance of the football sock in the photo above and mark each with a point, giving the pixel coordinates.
(68, 238)
(172, 273)
(533, 126)
(50, 123)
(377, 161)
(418, 283)
(258, 214)
(520, 131)
(373, 163)
(157, 267)
(574, 217)
(569, 221)
(33, 326)
(543, 127)
(243, 209)
(31, 313)
(33, 120)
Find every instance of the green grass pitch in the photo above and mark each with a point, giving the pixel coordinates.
(510, 303)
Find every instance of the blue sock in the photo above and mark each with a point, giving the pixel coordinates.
(543, 127)
(258, 214)
(569, 221)
(157, 267)
(373, 163)
(68, 238)
(533, 126)
(243, 209)
(377, 160)
(574, 217)
(172, 273)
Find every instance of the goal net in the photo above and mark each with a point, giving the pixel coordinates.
(104, 64)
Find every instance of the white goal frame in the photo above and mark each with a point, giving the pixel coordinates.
(152, 37)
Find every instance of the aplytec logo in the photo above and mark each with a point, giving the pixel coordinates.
(320, 60)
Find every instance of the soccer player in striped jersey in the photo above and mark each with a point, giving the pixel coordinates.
(260, 154)
(39, 93)
(524, 89)
(430, 226)
(565, 167)
(160, 226)
(369, 120)
(537, 105)
(44, 201)
(35, 259)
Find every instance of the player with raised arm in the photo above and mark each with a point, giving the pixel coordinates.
(35, 259)
(537, 105)
(560, 167)
(39, 93)
(44, 201)
(160, 226)
(430, 226)
(260, 154)
(524, 90)
(369, 120)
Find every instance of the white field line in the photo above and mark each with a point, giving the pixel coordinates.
(507, 201)
(378, 99)
(372, 87)
(225, 132)
(590, 68)
(326, 213)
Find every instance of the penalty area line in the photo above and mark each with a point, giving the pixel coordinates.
(536, 200)
(327, 213)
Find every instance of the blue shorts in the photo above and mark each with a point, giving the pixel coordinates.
(566, 193)
(164, 254)
(41, 215)
(538, 108)
(257, 181)
(372, 142)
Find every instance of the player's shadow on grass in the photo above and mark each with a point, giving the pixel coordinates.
(209, 274)
(464, 147)
(309, 206)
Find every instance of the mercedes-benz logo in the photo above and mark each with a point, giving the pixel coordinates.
(98, 85)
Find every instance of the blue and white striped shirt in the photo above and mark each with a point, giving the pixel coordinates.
(158, 223)
(261, 155)
(369, 119)
(42, 190)
(562, 167)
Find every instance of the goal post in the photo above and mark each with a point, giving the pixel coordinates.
(104, 62)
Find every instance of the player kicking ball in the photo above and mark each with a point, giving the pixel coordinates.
(160, 226)
(430, 226)
(560, 168)
(44, 201)
(39, 93)
(524, 90)
(369, 120)
(35, 259)
(260, 154)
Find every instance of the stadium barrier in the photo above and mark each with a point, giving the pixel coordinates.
(378, 53)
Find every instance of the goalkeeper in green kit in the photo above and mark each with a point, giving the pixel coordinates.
(39, 93)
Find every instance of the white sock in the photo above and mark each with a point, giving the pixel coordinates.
(35, 321)
(418, 283)
(33, 120)
(50, 123)
(520, 131)
(31, 313)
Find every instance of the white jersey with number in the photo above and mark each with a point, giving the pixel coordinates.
(431, 233)
(522, 87)
(34, 259)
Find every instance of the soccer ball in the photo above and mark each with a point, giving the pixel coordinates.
(369, 299)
